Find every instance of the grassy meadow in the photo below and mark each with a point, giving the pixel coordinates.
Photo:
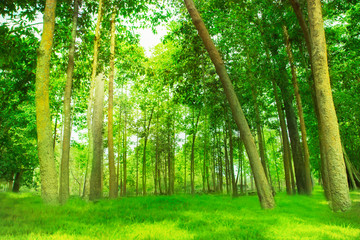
(24, 216)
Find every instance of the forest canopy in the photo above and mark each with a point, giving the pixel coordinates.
(240, 97)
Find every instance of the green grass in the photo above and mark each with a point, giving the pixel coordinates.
(23, 216)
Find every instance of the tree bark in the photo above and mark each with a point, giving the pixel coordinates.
(48, 174)
(263, 187)
(96, 175)
(64, 172)
(112, 175)
(339, 189)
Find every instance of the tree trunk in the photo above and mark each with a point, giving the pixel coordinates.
(339, 189)
(48, 174)
(264, 190)
(285, 141)
(232, 172)
(185, 164)
(112, 175)
(96, 171)
(123, 192)
(226, 163)
(64, 172)
(296, 6)
(17, 181)
(299, 163)
(147, 129)
(257, 119)
(301, 114)
(91, 98)
(192, 159)
(156, 156)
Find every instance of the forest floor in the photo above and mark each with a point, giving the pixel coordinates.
(23, 216)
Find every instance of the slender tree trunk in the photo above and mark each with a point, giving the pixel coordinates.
(124, 157)
(263, 187)
(156, 155)
(258, 120)
(220, 165)
(112, 175)
(300, 112)
(169, 162)
(64, 172)
(48, 174)
(339, 189)
(204, 165)
(285, 141)
(192, 160)
(147, 129)
(213, 174)
(226, 163)
(96, 171)
(137, 167)
(185, 164)
(232, 171)
(91, 98)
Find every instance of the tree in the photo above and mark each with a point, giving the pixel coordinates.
(64, 173)
(49, 180)
(113, 188)
(96, 170)
(339, 190)
(264, 190)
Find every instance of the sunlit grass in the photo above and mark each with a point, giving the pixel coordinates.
(23, 216)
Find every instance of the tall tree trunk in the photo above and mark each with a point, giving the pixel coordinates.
(96, 171)
(232, 171)
(91, 98)
(147, 129)
(185, 164)
(254, 94)
(124, 157)
(227, 177)
(48, 174)
(204, 165)
(296, 6)
(156, 155)
(64, 172)
(220, 165)
(213, 174)
(339, 189)
(192, 159)
(299, 163)
(169, 162)
(263, 187)
(300, 112)
(137, 166)
(112, 175)
(285, 141)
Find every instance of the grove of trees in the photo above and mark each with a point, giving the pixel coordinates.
(240, 97)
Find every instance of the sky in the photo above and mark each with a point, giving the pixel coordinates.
(148, 40)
